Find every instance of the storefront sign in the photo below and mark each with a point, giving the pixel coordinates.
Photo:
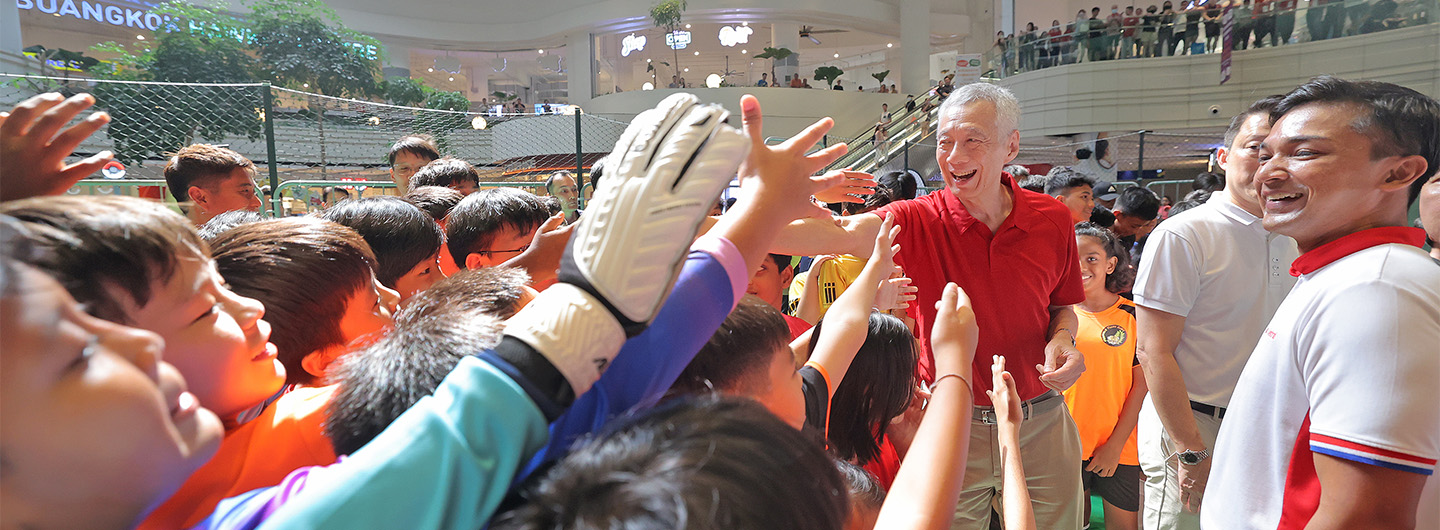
(631, 43)
(677, 40)
(126, 17)
(967, 68)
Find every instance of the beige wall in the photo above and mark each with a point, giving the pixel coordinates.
(1177, 92)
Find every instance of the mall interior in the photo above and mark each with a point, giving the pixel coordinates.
(1162, 110)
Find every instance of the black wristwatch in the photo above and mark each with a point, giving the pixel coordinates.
(1191, 458)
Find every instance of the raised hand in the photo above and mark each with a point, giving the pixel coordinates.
(852, 183)
(1003, 395)
(33, 145)
(955, 334)
(783, 173)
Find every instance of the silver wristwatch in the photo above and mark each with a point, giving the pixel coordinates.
(1191, 458)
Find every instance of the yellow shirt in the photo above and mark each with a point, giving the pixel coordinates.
(834, 277)
(1107, 339)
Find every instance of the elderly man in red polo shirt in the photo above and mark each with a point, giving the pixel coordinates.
(1013, 251)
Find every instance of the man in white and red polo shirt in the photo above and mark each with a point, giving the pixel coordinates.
(1335, 422)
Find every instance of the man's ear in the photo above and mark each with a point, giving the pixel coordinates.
(1405, 172)
(1222, 154)
(198, 196)
(786, 276)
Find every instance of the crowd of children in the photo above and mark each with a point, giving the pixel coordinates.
(459, 357)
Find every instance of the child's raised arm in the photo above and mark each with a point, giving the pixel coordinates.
(1016, 498)
(848, 321)
(928, 483)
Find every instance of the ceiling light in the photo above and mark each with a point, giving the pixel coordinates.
(140, 37)
(687, 26)
(431, 69)
(744, 51)
(837, 56)
(452, 78)
(542, 52)
(648, 60)
(889, 45)
(647, 86)
(687, 69)
(697, 52)
(307, 85)
(478, 122)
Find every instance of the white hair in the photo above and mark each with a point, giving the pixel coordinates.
(1007, 108)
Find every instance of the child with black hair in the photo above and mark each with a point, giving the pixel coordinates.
(317, 280)
(438, 201)
(410, 153)
(879, 389)
(406, 241)
(1106, 401)
(449, 172)
(506, 226)
(221, 223)
(749, 355)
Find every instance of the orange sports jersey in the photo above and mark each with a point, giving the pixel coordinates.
(1107, 339)
(287, 436)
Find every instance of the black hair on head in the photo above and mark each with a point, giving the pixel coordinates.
(702, 463)
(1398, 121)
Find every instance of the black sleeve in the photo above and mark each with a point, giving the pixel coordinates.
(817, 398)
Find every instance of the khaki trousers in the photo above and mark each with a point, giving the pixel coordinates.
(1162, 480)
(1050, 452)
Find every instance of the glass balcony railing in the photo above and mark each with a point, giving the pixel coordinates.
(1198, 31)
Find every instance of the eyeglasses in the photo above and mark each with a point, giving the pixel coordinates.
(511, 251)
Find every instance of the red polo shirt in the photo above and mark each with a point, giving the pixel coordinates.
(1013, 276)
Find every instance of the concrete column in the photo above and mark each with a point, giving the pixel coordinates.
(579, 64)
(397, 60)
(10, 42)
(914, 46)
(784, 36)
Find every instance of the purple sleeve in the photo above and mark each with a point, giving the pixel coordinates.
(711, 281)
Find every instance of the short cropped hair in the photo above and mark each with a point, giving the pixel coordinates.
(550, 181)
(1035, 183)
(447, 172)
(1398, 121)
(1124, 276)
(421, 145)
(1017, 171)
(1263, 106)
(876, 389)
(399, 233)
(221, 223)
(305, 270)
(478, 218)
(738, 354)
(1061, 179)
(94, 244)
(1139, 202)
(435, 200)
(690, 463)
(1007, 108)
(201, 165)
(458, 316)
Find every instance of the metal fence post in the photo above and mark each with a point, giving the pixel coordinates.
(269, 105)
(1142, 156)
(579, 155)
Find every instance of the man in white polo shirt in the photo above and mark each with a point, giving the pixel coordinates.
(1212, 277)
(1335, 422)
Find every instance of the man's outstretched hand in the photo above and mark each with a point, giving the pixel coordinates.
(33, 145)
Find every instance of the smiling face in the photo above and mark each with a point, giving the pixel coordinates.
(1095, 265)
(973, 149)
(1079, 201)
(1319, 179)
(97, 428)
(214, 336)
(1241, 159)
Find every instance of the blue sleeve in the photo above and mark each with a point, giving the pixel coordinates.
(445, 463)
(649, 363)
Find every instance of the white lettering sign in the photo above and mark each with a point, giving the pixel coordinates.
(730, 36)
(631, 43)
(677, 40)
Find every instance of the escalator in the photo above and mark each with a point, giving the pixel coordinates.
(911, 144)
